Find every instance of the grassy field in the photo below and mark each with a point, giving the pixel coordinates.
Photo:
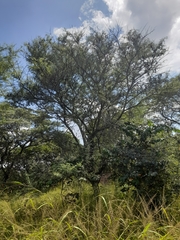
(64, 215)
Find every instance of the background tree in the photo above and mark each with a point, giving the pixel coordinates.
(51, 162)
(89, 83)
(19, 129)
(167, 101)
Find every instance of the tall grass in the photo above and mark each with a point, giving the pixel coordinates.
(114, 216)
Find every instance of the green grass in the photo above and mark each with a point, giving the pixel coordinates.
(115, 216)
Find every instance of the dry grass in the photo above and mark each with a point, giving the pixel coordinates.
(115, 216)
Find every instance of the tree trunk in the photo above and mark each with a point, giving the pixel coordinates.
(5, 175)
(96, 190)
(28, 181)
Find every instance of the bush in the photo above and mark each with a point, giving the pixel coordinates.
(138, 159)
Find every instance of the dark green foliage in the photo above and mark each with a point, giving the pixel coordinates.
(29, 149)
(139, 159)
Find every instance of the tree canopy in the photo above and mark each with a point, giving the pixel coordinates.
(90, 80)
(90, 83)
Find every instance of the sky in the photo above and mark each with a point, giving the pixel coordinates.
(23, 20)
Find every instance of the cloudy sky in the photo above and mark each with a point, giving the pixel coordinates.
(23, 20)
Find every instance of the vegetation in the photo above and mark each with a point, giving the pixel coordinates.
(115, 216)
(138, 160)
(89, 84)
(89, 139)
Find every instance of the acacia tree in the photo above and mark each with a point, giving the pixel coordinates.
(89, 82)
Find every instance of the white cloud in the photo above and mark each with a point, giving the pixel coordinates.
(85, 28)
(173, 42)
(119, 13)
(161, 15)
(59, 31)
(87, 7)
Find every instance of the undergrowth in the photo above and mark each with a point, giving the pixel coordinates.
(58, 215)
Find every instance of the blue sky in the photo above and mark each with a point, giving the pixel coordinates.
(23, 20)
